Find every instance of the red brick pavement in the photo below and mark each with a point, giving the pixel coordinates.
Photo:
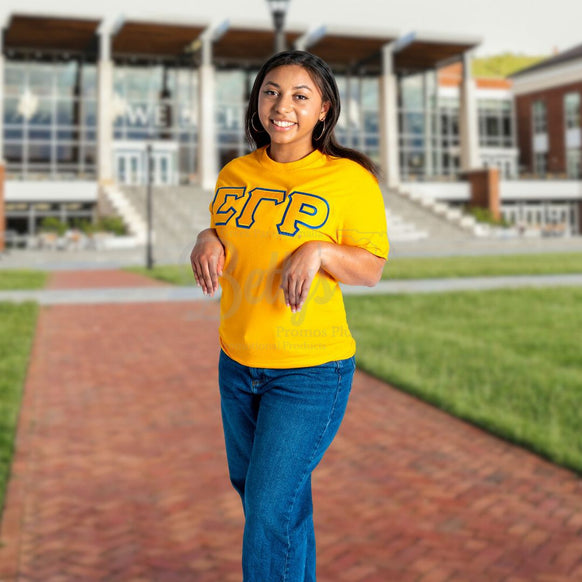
(100, 278)
(120, 472)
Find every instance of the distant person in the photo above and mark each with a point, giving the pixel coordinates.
(289, 222)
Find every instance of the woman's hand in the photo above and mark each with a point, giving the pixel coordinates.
(298, 272)
(207, 260)
(346, 264)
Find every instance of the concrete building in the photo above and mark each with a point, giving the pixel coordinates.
(82, 99)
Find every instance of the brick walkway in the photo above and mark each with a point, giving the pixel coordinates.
(120, 472)
(99, 279)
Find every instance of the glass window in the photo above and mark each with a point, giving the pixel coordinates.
(68, 112)
(89, 80)
(39, 153)
(40, 79)
(45, 116)
(11, 115)
(411, 91)
(39, 133)
(13, 152)
(14, 80)
(38, 111)
(66, 78)
(572, 110)
(540, 166)
(539, 116)
(574, 163)
(495, 123)
(67, 134)
(89, 112)
(507, 127)
(370, 93)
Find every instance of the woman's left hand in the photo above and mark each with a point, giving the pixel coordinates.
(298, 272)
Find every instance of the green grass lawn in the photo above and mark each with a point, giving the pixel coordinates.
(483, 266)
(506, 360)
(175, 274)
(16, 334)
(21, 279)
(428, 268)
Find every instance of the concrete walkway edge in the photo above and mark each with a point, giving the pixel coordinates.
(177, 293)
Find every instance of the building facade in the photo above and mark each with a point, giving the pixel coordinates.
(82, 99)
(548, 101)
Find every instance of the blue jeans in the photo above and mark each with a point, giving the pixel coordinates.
(278, 423)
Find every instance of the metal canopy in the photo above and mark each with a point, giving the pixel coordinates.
(417, 52)
(346, 49)
(139, 38)
(248, 45)
(50, 34)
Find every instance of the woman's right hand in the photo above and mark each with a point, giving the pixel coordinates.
(207, 260)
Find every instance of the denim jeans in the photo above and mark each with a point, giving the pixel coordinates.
(277, 424)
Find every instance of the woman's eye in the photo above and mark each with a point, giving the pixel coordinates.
(269, 92)
(301, 97)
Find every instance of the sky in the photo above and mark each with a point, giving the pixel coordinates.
(518, 26)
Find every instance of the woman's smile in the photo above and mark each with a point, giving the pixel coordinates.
(290, 106)
(281, 125)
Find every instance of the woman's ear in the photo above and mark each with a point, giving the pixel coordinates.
(325, 108)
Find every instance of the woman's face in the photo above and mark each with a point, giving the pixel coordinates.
(290, 105)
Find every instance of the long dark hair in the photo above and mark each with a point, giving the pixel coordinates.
(322, 76)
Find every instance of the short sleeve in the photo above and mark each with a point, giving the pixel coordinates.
(219, 183)
(363, 220)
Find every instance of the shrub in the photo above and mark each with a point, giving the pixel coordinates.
(53, 224)
(112, 224)
(485, 215)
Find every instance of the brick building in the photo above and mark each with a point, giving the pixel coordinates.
(548, 109)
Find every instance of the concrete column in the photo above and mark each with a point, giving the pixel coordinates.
(2, 213)
(2, 98)
(468, 122)
(389, 150)
(361, 116)
(105, 111)
(428, 165)
(438, 127)
(207, 154)
(349, 108)
(2, 166)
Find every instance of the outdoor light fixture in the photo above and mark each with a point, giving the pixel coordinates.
(279, 10)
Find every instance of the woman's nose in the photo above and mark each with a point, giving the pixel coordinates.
(283, 103)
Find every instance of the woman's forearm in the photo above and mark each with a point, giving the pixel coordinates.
(351, 265)
(207, 260)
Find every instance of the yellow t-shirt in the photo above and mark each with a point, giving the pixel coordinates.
(262, 211)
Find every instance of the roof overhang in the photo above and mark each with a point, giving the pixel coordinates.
(249, 44)
(349, 49)
(133, 37)
(49, 35)
(419, 51)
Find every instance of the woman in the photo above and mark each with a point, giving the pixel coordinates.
(290, 221)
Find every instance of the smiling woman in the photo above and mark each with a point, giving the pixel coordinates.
(289, 222)
(290, 106)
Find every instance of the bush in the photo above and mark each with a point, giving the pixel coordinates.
(485, 215)
(112, 224)
(53, 224)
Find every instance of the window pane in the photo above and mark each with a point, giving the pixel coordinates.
(40, 79)
(38, 153)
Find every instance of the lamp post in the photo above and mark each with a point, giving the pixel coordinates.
(149, 213)
(279, 11)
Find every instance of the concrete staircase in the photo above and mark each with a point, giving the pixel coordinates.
(181, 212)
(405, 213)
(450, 216)
(131, 214)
